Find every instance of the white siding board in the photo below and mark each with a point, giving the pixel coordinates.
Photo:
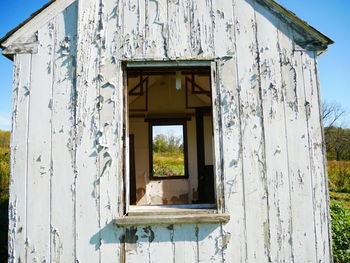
(234, 239)
(39, 150)
(110, 133)
(160, 245)
(209, 243)
(134, 28)
(318, 172)
(302, 231)
(253, 159)
(63, 148)
(156, 40)
(185, 243)
(276, 155)
(202, 35)
(18, 180)
(223, 27)
(137, 244)
(87, 162)
(179, 29)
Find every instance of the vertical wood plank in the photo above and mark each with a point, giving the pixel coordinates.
(136, 240)
(134, 28)
(209, 243)
(179, 29)
(39, 149)
(160, 245)
(18, 182)
(202, 35)
(63, 148)
(302, 231)
(223, 27)
(156, 41)
(88, 238)
(234, 239)
(253, 144)
(185, 243)
(110, 135)
(316, 144)
(277, 172)
(323, 175)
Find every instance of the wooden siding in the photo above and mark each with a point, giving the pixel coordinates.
(67, 142)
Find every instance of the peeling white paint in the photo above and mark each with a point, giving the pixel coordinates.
(67, 142)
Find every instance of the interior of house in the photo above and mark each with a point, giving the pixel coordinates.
(170, 125)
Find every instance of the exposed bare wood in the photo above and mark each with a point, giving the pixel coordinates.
(172, 219)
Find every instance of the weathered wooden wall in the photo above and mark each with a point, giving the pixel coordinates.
(67, 135)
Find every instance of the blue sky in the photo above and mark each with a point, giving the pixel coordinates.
(330, 17)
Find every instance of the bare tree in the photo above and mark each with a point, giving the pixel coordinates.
(337, 142)
(332, 115)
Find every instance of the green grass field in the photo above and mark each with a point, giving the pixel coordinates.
(168, 164)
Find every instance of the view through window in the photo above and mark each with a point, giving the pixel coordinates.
(170, 135)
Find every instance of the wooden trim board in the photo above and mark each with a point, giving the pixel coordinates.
(172, 219)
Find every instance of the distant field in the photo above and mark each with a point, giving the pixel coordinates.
(168, 164)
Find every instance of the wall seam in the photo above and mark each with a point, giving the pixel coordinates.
(241, 133)
(255, 28)
(27, 152)
(287, 148)
(310, 151)
(324, 158)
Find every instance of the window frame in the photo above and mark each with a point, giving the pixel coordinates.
(218, 147)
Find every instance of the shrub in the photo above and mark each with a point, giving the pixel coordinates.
(340, 232)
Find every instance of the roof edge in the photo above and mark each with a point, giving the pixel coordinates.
(314, 33)
(278, 8)
(14, 30)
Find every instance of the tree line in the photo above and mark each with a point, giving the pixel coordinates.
(337, 134)
(168, 144)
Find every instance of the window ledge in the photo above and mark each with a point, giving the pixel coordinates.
(165, 219)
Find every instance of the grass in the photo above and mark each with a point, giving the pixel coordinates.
(168, 164)
(339, 176)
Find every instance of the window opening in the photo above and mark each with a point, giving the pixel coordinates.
(171, 153)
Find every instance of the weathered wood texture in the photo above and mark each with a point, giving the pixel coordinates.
(67, 142)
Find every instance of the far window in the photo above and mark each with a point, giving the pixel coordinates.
(168, 149)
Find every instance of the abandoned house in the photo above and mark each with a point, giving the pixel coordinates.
(167, 131)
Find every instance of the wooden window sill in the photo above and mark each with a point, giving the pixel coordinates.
(166, 219)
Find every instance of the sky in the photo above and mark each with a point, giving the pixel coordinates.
(331, 17)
